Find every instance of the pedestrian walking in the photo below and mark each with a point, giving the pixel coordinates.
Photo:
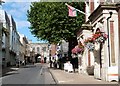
(50, 59)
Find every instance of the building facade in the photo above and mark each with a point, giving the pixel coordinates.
(39, 51)
(13, 41)
(22, 47)
(101, 16)
(13, 44)
(5, 38)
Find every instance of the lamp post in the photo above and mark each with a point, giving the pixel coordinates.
(109, 37)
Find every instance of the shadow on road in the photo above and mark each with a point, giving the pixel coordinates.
(9, 71)
(29, 66)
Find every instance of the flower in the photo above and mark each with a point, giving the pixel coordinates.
(78, 49)
(99, 37)
(89, 40)
(74, 50)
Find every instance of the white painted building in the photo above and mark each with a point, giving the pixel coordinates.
(13, 40)
(5, 38)
(104, 16)
(108, 52)
(23, 42)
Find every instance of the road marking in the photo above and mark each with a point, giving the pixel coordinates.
(14, 68)
(41, 70)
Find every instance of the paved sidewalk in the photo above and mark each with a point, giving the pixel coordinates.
(75, 78)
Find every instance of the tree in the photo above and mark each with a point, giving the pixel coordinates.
(50, 21)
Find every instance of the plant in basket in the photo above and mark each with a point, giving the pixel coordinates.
(100, 37)
(89, 43)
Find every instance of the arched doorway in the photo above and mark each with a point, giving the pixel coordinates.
(98, 57)
(37, 58)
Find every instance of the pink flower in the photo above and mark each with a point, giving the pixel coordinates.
(105, 35)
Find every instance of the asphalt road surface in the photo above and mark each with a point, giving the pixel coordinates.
(29, 74)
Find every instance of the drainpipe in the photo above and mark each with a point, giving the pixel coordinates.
(109, 37)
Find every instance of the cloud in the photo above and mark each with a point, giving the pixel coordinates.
(21, 6)
(22, 24)
(18, 10)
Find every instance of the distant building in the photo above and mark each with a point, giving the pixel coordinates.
(38, 50)
(63, 48)
(23, 46)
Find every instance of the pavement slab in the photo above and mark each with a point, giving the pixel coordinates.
(63, 77)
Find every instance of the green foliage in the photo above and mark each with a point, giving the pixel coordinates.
(50, 20)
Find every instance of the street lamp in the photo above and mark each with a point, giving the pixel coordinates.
(108, 36)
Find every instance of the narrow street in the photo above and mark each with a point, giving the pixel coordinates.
(29, 74)
(59, 43)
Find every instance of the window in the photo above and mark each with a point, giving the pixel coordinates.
(33, 48)
(44, 48)
(38, 49)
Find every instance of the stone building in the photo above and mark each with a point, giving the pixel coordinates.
(22, 47)
(39, 51)
(103, 17)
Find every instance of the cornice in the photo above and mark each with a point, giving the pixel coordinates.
(99, 10)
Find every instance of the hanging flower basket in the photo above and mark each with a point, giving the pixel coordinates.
(80, 49)
(74, 50)
(77, 49)
(100, 37)
(89, 43)
(90, 46)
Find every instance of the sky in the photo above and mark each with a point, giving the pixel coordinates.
(18, 10)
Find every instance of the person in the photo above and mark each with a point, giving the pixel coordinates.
(59, 62)
(74, 62)
(50, 59)
(17, 63)
(45, 60)
(55, 63)
(23, 62)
